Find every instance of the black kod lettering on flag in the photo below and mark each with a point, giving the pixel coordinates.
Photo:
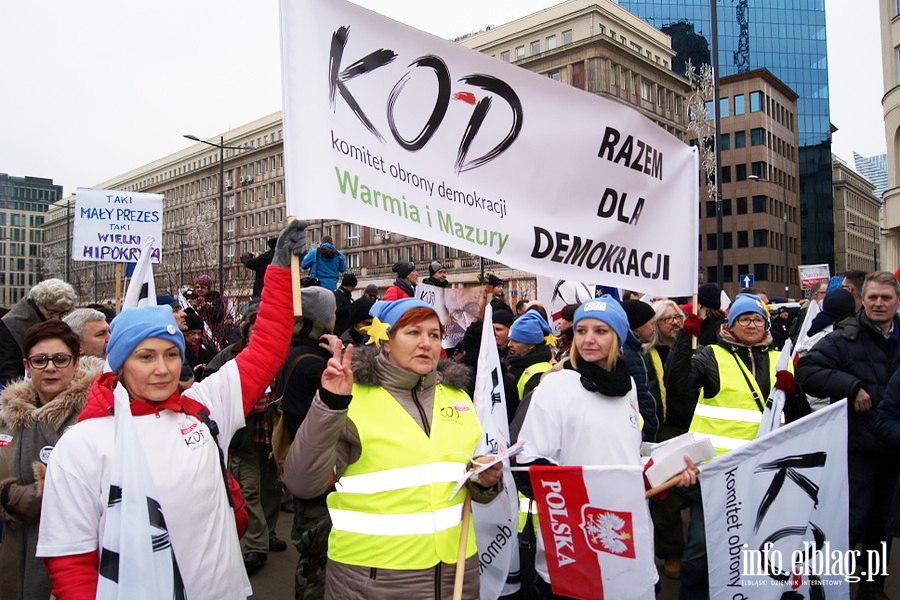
(442, 103)
(109, 565)
(787, 468)
(502, 89)
(145, 292)
(367, 64)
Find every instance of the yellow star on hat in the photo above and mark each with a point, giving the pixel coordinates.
(550, 339)
(377, 331)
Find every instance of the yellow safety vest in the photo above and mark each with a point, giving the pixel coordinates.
(731, 418)
(656, 361)
(541, 367)
(391, 509)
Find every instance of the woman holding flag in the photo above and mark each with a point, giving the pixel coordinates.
(393, 433)
(176, 444)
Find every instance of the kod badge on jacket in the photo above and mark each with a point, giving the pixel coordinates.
(5, 440)
(193, 434)
(44, 454)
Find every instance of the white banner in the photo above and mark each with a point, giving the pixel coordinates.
(776, 512)
(394, 128)
(141, 287)
(495, 523)
(111, 225)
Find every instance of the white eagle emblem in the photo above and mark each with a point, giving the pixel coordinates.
(608, 531)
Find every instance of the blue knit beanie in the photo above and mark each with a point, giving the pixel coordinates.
(606, 309)
(134, 325)
(530, 328)
(746, 303)
(389, 312)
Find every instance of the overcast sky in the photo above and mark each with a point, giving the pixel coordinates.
(94, 88)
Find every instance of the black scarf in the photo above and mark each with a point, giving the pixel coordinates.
(594, 378)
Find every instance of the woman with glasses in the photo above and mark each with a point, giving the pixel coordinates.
(34, 413)
(182, 455)
(733, 379)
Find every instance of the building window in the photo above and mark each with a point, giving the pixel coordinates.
(567, 36)
(760, 238)
(760, 203)
(555, 75)
(551, 42)
(535, 47)
(739, 105)
(711, 241)
(726, 240)
(504, 56)
(723, 107)
(726, 174)
(726, 207)
(725, 141)
(645, 90)
(729, 274)
(352, 260)
(758, 168)
(710, 209)
(711, 274)
(740, 172)
(353, 235)
(742, 206)
(761, 271)
(755, 101)
(710, 115)
(742, 241)
(740, 139)
(636, 48)
(757, 136)
(520, 52)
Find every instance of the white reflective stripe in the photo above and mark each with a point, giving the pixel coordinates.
(527, 506)
(719, 441)
(728, 414)
(399, 524)
(401, 477)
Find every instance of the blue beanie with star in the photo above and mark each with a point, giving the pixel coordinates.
(134, 325)
(530, 328)
(746, 303)
(606, 309)
(390, 311)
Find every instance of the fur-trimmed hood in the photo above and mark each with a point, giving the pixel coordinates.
(367, 372)
(17, 402)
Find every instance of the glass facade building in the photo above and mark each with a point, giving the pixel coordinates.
(787, 37)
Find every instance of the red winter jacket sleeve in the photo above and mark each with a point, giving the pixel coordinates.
(265, 354)
(394, 293)
(74, 577)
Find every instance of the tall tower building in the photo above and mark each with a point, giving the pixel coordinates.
(788, 39)
(873, 168)
(23, 204)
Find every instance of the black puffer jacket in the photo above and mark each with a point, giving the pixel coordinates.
(638, 372)
(855, 355)
(516, 365)
(887, 418)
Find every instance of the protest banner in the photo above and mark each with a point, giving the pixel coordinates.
(776, 512)
(110, 225)
(397, 129)
(496, 523)
(596, 531)
(812, 274)
(142, 287)
(554, 294)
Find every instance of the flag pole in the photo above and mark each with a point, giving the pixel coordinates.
(118, 304)
(463, 542)
(295, 282)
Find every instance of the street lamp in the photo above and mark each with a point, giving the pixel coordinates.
(222, 147)
(787, 268)
(874, 241)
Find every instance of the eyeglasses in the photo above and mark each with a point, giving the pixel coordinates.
(40, 361)
(672, 318)
(748, 321)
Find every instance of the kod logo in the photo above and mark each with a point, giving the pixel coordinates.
(379, 58)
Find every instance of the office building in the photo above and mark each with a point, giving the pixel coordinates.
(23, 205)
(857, 220)
(873, 168)
(788, 39)
(760, 184)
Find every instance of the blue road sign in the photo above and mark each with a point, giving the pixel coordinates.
(746, 280)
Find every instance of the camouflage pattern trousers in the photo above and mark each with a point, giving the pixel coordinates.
(309, 535)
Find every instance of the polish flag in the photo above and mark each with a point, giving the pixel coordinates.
(595, 531)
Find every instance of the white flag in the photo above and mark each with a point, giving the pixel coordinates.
(136, 559)
(776, 512)
(496, 523)
(141, 289)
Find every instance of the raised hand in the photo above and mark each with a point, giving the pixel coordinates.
(338, 375)
(291, 240)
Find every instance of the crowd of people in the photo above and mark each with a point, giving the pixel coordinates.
(355, 418)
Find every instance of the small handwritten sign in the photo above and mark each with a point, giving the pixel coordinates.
(110, 225)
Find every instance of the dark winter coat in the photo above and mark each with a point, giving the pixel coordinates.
(342, 320)
(13, 326)
(855, 355)
(887, 418)
(34, 430)
(258, 264)
(646, 404)
(325, 263)
(302, 382)
(516, 365)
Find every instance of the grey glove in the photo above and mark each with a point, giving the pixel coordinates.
(291, 240)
